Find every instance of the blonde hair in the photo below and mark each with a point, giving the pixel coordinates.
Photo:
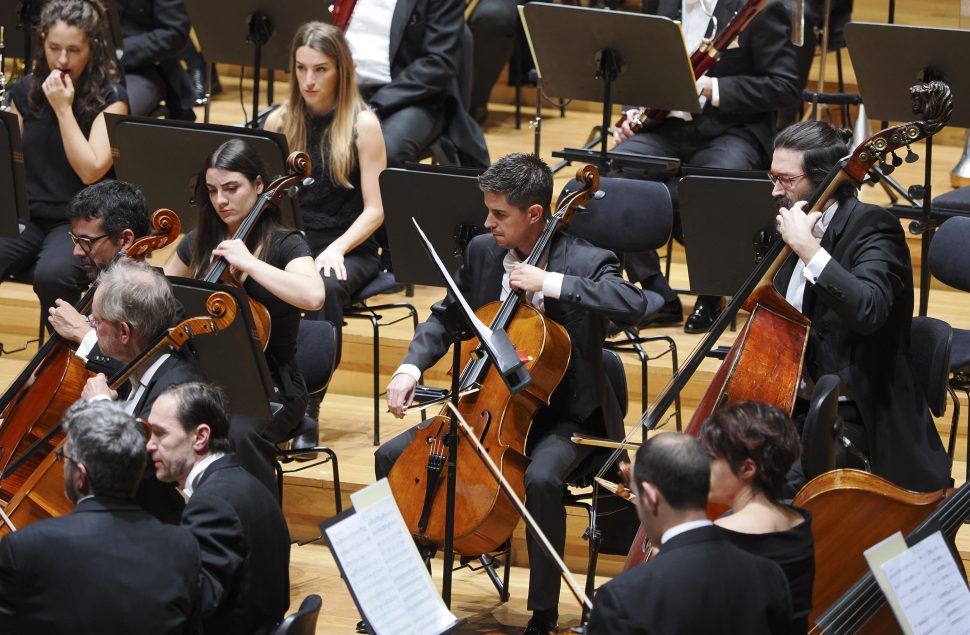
(336, 145)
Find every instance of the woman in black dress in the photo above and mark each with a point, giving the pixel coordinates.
(273, 264)
(61, 106)
(752, 446)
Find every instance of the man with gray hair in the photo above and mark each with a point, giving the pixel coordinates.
(107, 567)
(134, 305)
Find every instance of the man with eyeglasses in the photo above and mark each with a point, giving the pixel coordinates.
(852, 275)
(107, 567)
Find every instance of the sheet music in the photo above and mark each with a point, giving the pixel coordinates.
(931, 592)
(383, 569)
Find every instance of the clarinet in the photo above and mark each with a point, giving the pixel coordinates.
(704, 57)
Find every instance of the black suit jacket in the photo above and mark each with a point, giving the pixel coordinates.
(861, 310)
(699, 583)
(592, 293)
(755, 78)
(245, 550)
(177, 369)
(107, 567)
(426, 48)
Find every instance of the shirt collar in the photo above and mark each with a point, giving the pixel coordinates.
(196, 473)
(676, 530)
(145, 378)
(823, 223)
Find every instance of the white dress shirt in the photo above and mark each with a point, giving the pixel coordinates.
(695, 23)
(676, 530)
(811, 270)
(139, 384)
(369, 36)
(192, 480)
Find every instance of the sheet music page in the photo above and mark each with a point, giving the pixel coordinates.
(384, 569)
(931, 592)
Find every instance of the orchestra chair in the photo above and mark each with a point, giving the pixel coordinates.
(821, 428)
(949, 262)
(315, 358)
(304, 621)
(27, 277)
(644, 211)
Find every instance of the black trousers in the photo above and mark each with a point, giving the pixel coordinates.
(409, 131)
(493, 25)
(57, 272)
(734, 150)
(553, 457)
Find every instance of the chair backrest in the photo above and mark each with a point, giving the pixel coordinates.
(929, 354)
(949, 258)
(616, 375)
(304, 621)
(818, 439)
(316, 353)
(632, 215)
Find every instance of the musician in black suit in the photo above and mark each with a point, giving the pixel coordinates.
(133, 306)
(154, 33)
(236, 520)
(579, 287)
(698, 582)
(408, 68)
(852, 275)
(740, 95)
(107, 567)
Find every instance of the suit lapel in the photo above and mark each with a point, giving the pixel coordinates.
(399, 20)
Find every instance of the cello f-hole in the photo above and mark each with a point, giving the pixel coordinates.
(486, 416)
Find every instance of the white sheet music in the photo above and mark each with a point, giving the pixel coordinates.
(384, 569)
(931, 592)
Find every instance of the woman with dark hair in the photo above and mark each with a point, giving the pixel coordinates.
(273, 264)
(752, 446)
(61, 106)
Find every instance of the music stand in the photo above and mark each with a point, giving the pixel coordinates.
(614, 60)
(452, 213)
(888, 59)
(13, 180)
(253, 33)
(183, 147)
(232, 358)
(727, 223)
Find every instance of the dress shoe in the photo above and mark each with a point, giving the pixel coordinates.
(362, 626)
(542, 622)
(670, 314)
(308, 438)
(706, 311)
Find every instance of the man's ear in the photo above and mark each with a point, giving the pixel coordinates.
(82, 482)
(202, 435)
(536, 213)
(127, 238)
(650, 496)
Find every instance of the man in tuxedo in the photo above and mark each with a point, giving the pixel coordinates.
(235, 519)
(107, 567)
(852, 275)
(133, 306)
(698, 582)
(580, 287)
(409, 65)
(734, 125)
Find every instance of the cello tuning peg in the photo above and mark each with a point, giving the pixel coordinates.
(896, 160)
(911, 157)
(887, 168)
(874, 176)
(308, 181)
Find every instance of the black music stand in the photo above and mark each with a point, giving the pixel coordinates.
(13, 180)
(888, 59)
(140, 145)
(728, 225)
(251, 32)
(451, 213)
(613, 61)
(232, 358)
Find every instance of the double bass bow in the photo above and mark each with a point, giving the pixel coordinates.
(484, 517)
(765, 362)
(297, 174)
(54, 378)
(37, 483)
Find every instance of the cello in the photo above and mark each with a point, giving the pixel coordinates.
(765, 361)
(484, 516)
(41, 494)
(54, 378)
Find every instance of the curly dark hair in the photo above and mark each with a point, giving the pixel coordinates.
(101, 70)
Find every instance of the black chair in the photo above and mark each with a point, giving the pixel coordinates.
(315, 357)
(644, 213)
(819, 430)
(949, 261)
(304, 621)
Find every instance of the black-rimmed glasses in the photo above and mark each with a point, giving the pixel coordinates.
(85, 242)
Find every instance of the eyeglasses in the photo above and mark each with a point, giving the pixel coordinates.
(786, 181)
(85, 242)
(62, 454)
(94, 320)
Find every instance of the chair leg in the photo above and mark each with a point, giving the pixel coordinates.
(951, 445)
(377, 381)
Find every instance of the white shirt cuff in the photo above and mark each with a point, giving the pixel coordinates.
(715, 93)
(552, 285)
(816, 265)
(87, 343)
(410, 370)
(100, 397)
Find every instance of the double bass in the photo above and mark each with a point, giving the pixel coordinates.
(41, 494)
(33, 404)
(484, 516)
